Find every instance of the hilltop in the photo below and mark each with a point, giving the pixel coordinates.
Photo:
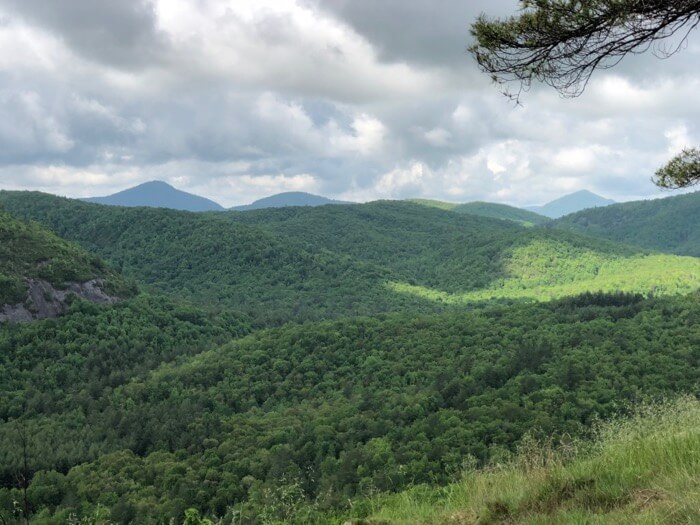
(502, 211)
(487, 209)
(157, 194)
(671, 224)
(450, 259)
(39, 272)
(305, 263)
(571, 203)
(291, 198)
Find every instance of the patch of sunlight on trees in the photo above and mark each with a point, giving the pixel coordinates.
(545, 270)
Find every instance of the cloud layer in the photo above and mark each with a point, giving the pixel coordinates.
(238, 99)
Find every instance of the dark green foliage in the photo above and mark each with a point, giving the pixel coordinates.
(681, 171)
(322, 412)
(418, 244)
(562, 42)
(303, 263)
(215, 260)
(29, 251)
(59, 374)
(671, 225)
(155, 409)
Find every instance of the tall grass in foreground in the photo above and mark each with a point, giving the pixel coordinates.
(640, 469)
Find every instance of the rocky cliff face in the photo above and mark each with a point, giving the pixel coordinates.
(45, 302)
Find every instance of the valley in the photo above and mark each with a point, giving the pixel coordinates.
(303, 364)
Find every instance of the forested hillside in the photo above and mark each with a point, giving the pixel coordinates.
(318, 412)
(502, 211)
(30, 252)
(638, 470)
(452, 259)
(488, 209)
(210, 259)
(671, 225)
(307, 263)
(221, 388)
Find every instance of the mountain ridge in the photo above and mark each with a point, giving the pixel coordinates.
(157, 194)
(670, 224)
(493, 210)
(571, 203)
(288, 199)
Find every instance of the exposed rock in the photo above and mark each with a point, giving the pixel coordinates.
(46, 302)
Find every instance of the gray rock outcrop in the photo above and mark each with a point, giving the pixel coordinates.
(46, 302)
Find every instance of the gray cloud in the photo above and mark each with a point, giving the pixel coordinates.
(355, 99)
(419, 31)
(121, 33)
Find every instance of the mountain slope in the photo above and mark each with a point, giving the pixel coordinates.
(641, 469)
(571, 203)
(292, 198)
(214, 260)
(303, 418)
(305, 263)
(39, 271)
(432, 203)
(487, 209)
(501, 211)
(671, 224)
(454, 259)
(157, 194)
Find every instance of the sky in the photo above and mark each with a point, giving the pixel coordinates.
(352, 99)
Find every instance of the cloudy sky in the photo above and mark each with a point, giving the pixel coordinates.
(353, 99)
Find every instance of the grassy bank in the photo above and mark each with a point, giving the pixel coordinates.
(643, 469)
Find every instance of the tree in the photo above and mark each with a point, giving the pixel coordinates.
(562, 42)
(682, 171)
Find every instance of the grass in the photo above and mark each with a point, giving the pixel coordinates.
(545, 270)
(642, 469)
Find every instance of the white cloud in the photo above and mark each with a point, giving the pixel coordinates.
(238, 98)
(438, 137)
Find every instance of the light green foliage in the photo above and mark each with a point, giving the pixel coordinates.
(441, 205)
(642, 469)
(545, 270)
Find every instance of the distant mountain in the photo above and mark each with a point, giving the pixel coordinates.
(572, 203)
(158, 194)
(501, 211)
(290, 198)
(492, 210)
(671, 224)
